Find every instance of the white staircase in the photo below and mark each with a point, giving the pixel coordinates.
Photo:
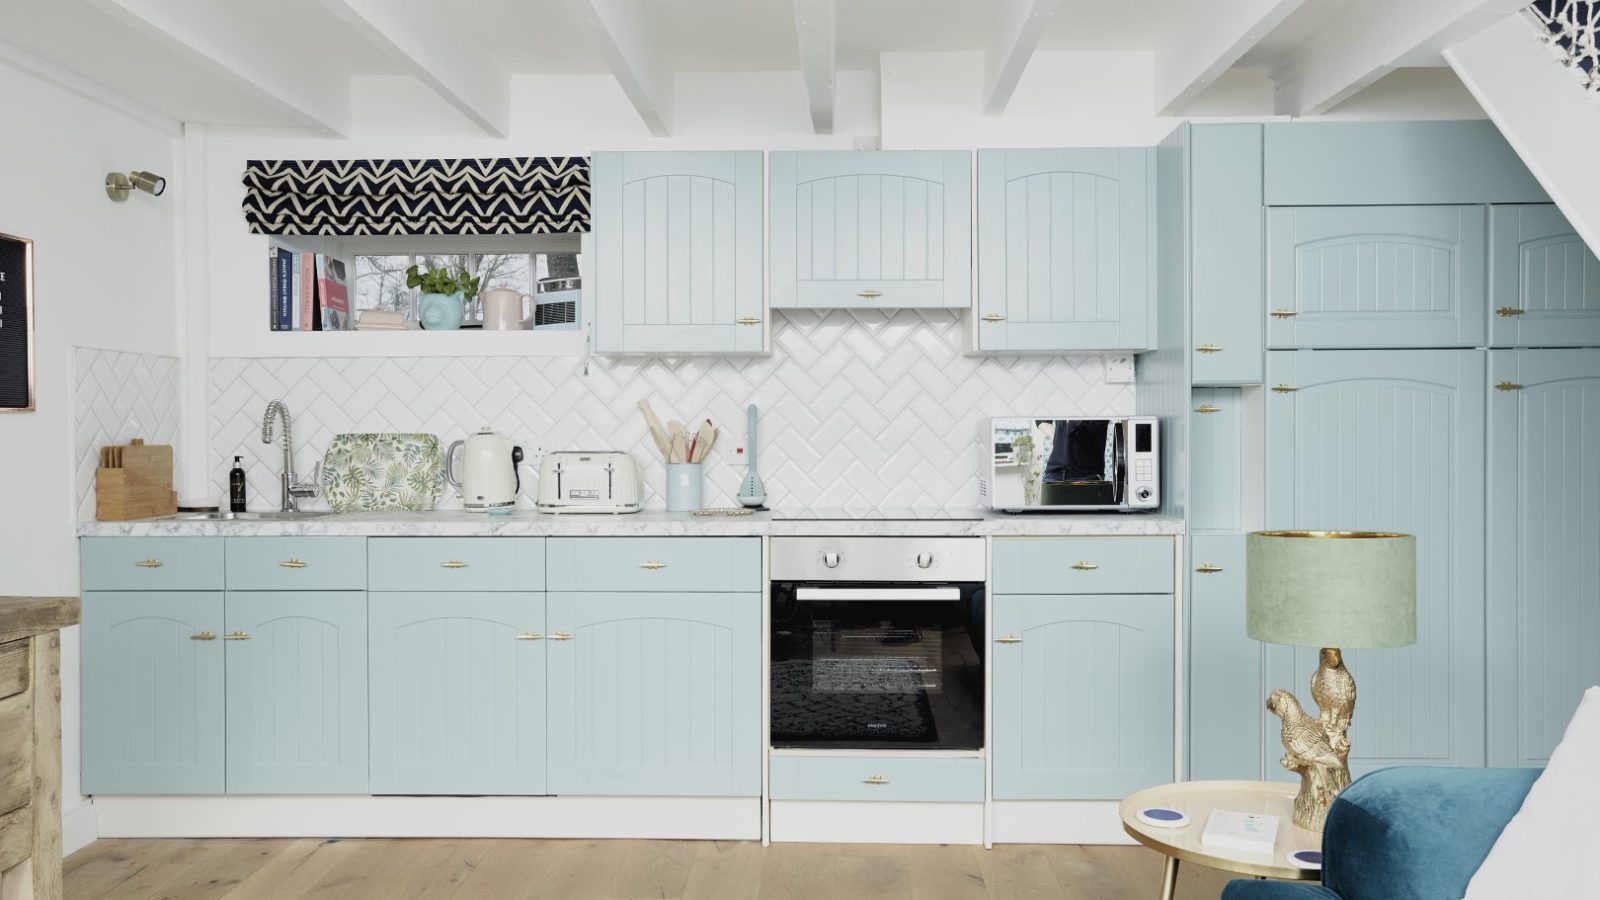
(1544, 109)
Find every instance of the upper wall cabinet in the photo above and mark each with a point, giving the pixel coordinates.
(1065, 243)
(859, 230)
(1225, 246)
(1544, 282)
(1372, 163)
(1376, 276)
(677, 239)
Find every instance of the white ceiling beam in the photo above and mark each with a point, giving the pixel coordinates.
(628, 37)
(246, 60)
(818, 29)
(1370, 39)
(1207, 41)
(1021, 23)
(23, 61)
(431, 40)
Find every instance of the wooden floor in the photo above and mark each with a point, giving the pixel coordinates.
(592, 870)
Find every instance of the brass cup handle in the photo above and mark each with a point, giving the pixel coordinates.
(203, 636)
(1082, 566)
(874, 779)
(748, 320)
(561, 636)
(1283, 314)
(1508, 386)
(237, 636)
(1209, 348)
(652, 565)
(1507, 312)
(1207, 568)
(869, 294)
(294, 563)
(1206, 409)
(453, 564)
(148, 563)
(992, 318)
(530, 636)
(1008, 639)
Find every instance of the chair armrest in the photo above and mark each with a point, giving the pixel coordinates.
(1276, 890)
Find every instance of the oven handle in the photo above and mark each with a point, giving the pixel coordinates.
(887, 593)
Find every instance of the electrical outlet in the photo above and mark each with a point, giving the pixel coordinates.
(1119, 368)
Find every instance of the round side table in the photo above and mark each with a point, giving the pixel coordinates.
(1197, 799)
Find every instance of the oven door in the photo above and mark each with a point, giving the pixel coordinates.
(875, 666)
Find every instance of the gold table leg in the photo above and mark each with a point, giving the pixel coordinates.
(1169, 879)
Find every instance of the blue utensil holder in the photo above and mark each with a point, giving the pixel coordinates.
(684, 481)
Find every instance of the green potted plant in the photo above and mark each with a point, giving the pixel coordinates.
(444, 295)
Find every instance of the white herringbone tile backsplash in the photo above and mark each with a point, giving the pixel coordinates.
(857, 409)
(117, 397)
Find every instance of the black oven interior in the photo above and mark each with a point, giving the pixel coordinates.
(877, 674)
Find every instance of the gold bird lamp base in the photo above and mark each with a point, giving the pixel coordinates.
(1318, 748)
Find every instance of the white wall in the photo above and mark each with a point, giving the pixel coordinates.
(103, 277)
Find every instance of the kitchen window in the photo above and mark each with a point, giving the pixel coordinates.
(380, 273)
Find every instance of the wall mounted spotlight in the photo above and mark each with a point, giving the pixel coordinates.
(119, 186)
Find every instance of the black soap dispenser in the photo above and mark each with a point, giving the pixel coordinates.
(236, 486)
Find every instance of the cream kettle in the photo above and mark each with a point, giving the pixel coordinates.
(488, 476)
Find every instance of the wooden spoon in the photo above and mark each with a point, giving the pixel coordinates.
(663, 441)
(702, 441)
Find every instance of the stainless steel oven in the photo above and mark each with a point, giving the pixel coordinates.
(877, 643)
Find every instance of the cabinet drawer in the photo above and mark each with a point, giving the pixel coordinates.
(297, 563)
(14, 667)
(898, 778)
(1083, 566)
(654, 564)
(455, 564)
(16, 838)
(151, 564)
(16, 743)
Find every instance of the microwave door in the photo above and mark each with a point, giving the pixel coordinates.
(1081, 468)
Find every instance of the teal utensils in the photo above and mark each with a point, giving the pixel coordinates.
(752, 492)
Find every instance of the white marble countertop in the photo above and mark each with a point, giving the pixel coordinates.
(460, 523)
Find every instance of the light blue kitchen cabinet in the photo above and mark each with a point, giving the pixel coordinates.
(870, 229)
(1544, 281)
(1544, 547)
(296, 563)
(1080, 565)
(150, 564)
(458, 692)
(879, 777)
(655, 693)
(1385, 441)
(1065, 249)
(1378, 276)
(1216, 460)
(1083, 697)
(678, 252)
(1226, 691)
(1226, 273)
(654, 564)
(153, 692)
(452, 564)
(296, 695)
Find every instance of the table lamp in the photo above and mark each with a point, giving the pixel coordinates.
(1335, 590)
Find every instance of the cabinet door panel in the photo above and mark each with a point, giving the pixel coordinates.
(1545, 281)
(1225, 685)
(1083, 701)
(1382, 441)
(677, 238)
(1376, 276)
(860, 230)
(655, 694)
(458, 701)
(1544, 547)
(297, 692)
(1215, 460)
(1226, 270)
(1064, 249)
(152, 695)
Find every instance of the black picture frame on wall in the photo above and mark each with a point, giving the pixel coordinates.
(16, 324)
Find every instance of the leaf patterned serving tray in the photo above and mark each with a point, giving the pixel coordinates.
(382, 472)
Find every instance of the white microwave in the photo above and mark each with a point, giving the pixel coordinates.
(1071, 463)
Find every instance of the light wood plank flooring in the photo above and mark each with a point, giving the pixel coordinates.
(446, 869)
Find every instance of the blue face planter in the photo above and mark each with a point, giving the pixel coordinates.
(441, 312)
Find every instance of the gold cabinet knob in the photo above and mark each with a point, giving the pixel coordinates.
(748, 320)
(869, 294)
(1207, 568)
(530, 636)
(1082, 566)
(1283, 314)
(1283, 389)
(1506, 312)
(293, 564)
(237, 636)
(453, 564)
(1008, 639)
(652, 565)
(1209, 348)
(1508, 386)
(992, 318)
(561, 636)
(874, 779)
(203, 636)
(1206, 409)
(148, 563)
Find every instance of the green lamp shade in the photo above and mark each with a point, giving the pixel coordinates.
(1347, 589)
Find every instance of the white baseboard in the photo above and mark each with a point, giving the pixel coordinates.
(840, 822)
(78, 828)
(685, 818)
(1058, 822)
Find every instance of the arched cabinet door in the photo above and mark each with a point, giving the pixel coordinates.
(1545, 282)
(1360, 440)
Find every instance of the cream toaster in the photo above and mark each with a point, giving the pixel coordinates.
(588, 481)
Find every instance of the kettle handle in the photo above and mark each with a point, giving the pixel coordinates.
(450, 464)
(516, 461)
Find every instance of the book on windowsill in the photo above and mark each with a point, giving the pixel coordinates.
(380, 320)
(1247, 832)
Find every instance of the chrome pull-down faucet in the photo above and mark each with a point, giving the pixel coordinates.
(291, 489)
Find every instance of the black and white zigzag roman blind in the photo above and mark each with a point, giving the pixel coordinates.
(525, 195)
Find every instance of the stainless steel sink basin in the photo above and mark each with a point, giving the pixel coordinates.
(255, 516)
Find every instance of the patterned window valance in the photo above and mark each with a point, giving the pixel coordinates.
(525, 195)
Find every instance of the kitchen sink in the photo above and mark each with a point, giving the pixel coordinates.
(274, 516)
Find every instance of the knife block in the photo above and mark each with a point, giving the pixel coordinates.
(134, 482)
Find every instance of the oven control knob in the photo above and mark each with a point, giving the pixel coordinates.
(924, 560)
(1144, 494)
(831, 559)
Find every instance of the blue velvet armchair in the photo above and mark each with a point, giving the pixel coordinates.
(1406, 834)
